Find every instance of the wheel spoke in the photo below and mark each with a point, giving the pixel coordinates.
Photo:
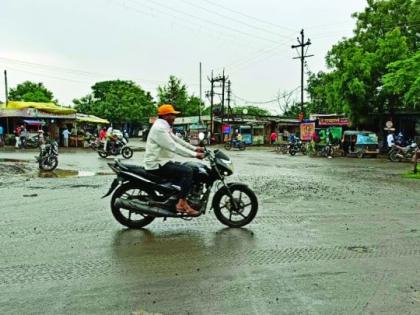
(129, 214)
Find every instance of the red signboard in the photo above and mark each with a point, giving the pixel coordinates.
(333, 121)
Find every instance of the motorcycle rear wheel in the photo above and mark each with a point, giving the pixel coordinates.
(130, 191)
(292, 152)
(228, 146)
(224, 208)
(393, 156)
(242, 147)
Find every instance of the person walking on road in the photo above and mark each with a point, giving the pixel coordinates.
(161, 147)
(66, 134)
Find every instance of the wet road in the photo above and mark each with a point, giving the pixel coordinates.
(338, 236)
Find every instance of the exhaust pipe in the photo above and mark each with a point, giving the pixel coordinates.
(142, 207)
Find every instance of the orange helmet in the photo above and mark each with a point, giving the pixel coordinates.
(166, 109)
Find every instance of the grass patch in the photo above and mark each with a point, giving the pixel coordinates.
(411, 175)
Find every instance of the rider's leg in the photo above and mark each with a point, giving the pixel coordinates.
(182, 175)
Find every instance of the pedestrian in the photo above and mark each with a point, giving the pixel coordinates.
(1, 136)
(17, 137)
(108, 137)
(273, 137)
(66, 134)
(390, 141)
(23, 136)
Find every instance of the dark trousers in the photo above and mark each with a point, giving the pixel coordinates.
(178, 174)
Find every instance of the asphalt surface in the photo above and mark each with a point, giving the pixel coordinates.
(332, 236)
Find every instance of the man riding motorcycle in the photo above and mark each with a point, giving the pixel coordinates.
(161, 146)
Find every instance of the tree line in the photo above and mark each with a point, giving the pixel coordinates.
(375, 71)
(124, 101)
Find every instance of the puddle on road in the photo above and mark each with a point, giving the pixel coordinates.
(59, 173)
(14, 161)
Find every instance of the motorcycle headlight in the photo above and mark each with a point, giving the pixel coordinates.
(228, 164)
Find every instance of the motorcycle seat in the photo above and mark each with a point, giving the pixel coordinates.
(139, 170)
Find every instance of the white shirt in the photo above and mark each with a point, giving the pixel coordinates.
(162, 145)
(66, 133)
(390, 140)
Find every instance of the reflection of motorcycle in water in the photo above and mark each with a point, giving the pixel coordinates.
(48, 156)
(399, 154)
(139, 197)
(236, 144)
(114, 147)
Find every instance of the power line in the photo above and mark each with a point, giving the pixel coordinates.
(177, 19)
(235, 20)
(250, 17)
(172, 9)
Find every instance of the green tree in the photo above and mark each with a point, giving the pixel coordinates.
(385, 33)
(403, 81)
(31, 92)
(118, 101)
(175, 93)
(251, 110)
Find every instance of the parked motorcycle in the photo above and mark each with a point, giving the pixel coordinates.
(297, 146)
(398, 154)
(236, 144)
(327, 150)
(140, 197)
(114, 147)
(48, 156)
(32, 142)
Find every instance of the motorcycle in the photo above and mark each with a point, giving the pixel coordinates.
(399, 154)
(135, 192)
(114, 147)
(48, 156)
(327, 150)
(297, 146)
(32, 142)
(236, 144)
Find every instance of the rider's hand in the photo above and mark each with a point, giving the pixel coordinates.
(200, 155)
(199, 149)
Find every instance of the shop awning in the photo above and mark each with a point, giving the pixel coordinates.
(33, 122)
(45, 107)
(91, 119)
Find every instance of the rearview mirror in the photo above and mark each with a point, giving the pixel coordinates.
(201, 136)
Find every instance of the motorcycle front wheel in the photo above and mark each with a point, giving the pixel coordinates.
(238, 209)
(292, 152)
(48, 163)
(127, 153)
(127, 217)
(102, 154)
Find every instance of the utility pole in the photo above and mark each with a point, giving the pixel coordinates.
(223, 103)
(6, 88)
(302, 56)
(201, 100)
(7, 99)
(228, 99)
(213, 80)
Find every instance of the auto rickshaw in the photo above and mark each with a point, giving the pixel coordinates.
(360, 143)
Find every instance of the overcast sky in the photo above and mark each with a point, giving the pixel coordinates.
(70, 45)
